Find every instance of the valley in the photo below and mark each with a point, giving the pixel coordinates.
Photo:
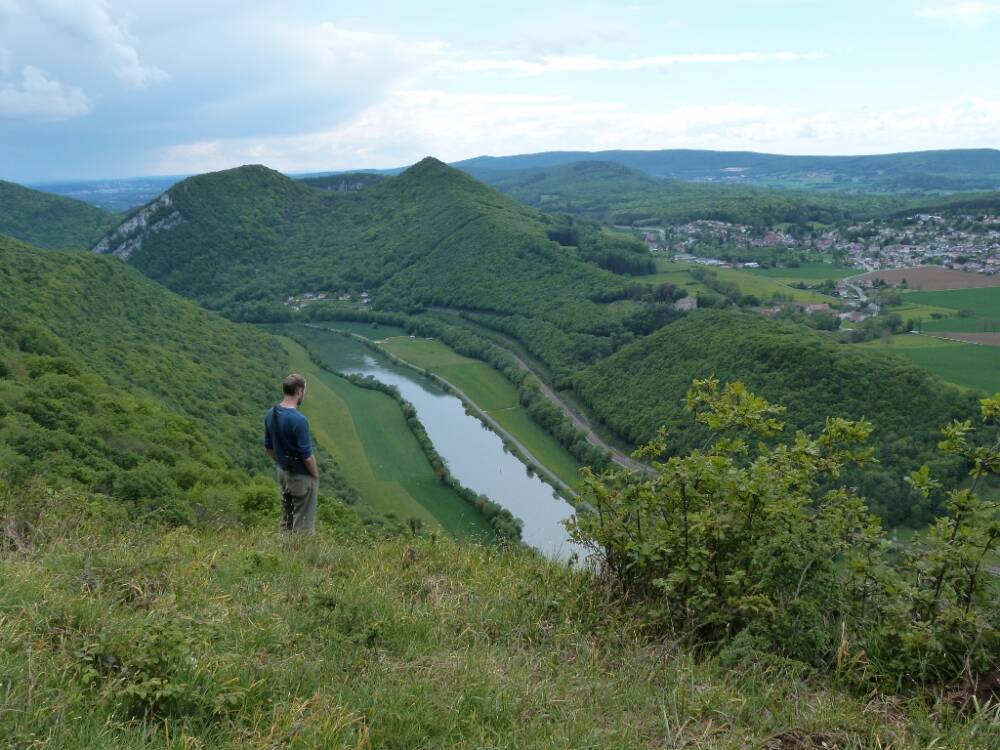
(469, 352)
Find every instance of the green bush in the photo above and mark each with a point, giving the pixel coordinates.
(737, 542)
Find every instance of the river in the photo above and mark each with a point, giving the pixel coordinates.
(475, 455)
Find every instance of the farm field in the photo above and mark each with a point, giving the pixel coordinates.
(933, 278)
(492, 393)
(983, 304)
(366, 433)
(367, 330)
(811, 272)
(988, 339)
(966, 365)
(749, 282)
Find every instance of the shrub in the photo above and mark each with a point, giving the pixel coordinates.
(750, 542)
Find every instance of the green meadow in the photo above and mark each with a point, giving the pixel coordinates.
(749, 282)
(813, 271)
(983, 304)
(492, 393)
(366, 432)
(375, 332)
(967, 365)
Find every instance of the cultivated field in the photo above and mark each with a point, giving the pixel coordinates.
(933, 278)
(749, 282)
(492, 393)
(810, 273)
(365, 432)
(966, 365)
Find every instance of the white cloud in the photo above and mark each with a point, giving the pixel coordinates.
(38, 97)
(962, 11)
(592, 63)
(407, 125)
(94, 22)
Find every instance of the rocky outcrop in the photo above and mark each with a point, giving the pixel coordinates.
(127, 238)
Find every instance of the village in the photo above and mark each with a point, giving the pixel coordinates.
(963, 242)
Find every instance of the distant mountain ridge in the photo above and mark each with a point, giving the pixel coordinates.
(958, 169)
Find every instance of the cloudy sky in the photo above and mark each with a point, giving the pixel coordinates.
(112, 88)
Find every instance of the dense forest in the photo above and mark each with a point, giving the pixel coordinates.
(244, 240)
(50, 221)
(111, 382)
(641, 388)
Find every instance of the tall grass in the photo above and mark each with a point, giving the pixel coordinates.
(119, 636)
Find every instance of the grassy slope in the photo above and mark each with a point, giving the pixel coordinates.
(347, 641)
(494, 394)
(50, 221)
(967, 365)
(365, 432)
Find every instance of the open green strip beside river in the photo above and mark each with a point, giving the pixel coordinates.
(475, 455)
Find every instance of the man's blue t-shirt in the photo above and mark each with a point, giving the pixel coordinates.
(286, 432)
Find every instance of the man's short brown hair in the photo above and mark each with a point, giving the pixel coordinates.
(293, 384)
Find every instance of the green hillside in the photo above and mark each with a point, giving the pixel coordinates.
(244, 240)
(109, 381)
(642, 387)
(50, 221)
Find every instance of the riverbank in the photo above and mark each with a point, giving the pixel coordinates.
(476, 456)
(366, 433)
(488, 396)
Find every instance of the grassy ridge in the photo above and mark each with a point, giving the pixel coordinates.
(114, 637)
(494, 394)
(366, 433)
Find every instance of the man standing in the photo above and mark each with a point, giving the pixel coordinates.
(286, 440)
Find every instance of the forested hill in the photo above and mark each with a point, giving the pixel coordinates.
(50, 221)
(642, 387)
(958, 169)
(244, 240)
(82, 315)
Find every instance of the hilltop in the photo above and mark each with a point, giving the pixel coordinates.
(244, 240)
(50, 221)
(119, 636)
